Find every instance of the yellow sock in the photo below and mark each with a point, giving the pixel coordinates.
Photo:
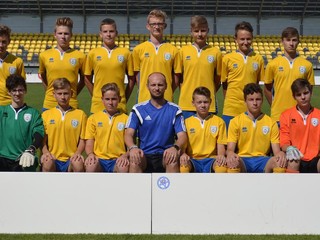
(279, 170)
(220, 169)
(234, 170)
(184, 169)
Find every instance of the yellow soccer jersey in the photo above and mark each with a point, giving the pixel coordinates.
(203, 136)
(148, 59)
(239, 70)
(281, 72)
(253, 138)
(108, 134)
(55, 65)
(8, 66)
(199, 68)
(64, 130)
(108, 67)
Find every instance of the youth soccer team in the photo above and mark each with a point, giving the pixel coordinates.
(159, 135)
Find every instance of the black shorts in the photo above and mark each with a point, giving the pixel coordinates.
(309, 166)
(154, 163)
(7, 165)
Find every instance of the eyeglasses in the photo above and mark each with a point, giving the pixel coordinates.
(157, 24)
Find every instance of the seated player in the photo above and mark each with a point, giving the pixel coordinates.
(207, 137)
(65, 131)
(300, 131)
(21, 129)
(250, 135)
(105, 145)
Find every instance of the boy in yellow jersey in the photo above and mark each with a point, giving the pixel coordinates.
(9, 65)
(201, 66)
(238, 69)
(105, 145)
(156, 55)
(207, 137)
(282, 71)
(62, 62)
(250, 134)
(109, 63)
(65, 131)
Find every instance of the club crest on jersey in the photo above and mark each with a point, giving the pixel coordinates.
(120, 58)
(302, 69)
(27, 117)
(73, 61)
(265, 130)
(99, 58)
(167, 56)
(235, 65)
(210, 59)
(192, 130)
(314, 122)
(255, 66)
(120, 126)
(12, 70)
(213, 129)
(74, 123)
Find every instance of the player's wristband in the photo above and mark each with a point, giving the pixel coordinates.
(176, 147)
(132, 147)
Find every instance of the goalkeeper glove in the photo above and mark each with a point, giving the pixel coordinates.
(293, 153)
(26, 159)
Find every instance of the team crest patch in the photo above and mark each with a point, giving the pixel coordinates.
(235, 65)
(314, 122)
(74, 123)
(27, 117)
(280, 69)
(167, 56)
(265, 130)
(120, 58)
(120, 126)
(213, 129)
(73, 61)
(99, 58)
(210, 59)
(12, 70)
(302, 69)
(255, 66)
(100, 124)
(192, 130)
(51, 59)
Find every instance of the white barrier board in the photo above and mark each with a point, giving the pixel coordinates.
(235, 204)
(75, 203)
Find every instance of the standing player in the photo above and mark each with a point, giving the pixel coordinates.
(65, 131)
(252, 133)
(9, 64)
(300, 131)
(156, 55)
(109, 63)
(105, 145)
(282, 71)
(207, 137)
(238, 69)
(21, 129)
(60, 62)
(201, 64)
(157, 123)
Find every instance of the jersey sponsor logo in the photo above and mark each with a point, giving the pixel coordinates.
(314, 122)
(73, 61)
(235, 65)
(100, 124)
(147, 118)
(302, 69)
(99, 58)
(120, 58)
(51, 59)
(213, 129)
(192, 130)
(120, 126)
(52, 121)
(293, 120)
(210, 59)
(27, 117)
(265, 130)
(12, 70)
(74, 123)
(146, 55)
(280, 69)
(255, 66)
(244, 129)
(188, 57)
(167, 56)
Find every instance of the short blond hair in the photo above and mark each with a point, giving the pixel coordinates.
(199, 21)
(158, 14)
(61, 83)
(64, 21)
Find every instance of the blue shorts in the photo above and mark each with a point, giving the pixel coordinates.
(255, 164)
(202, 165)
(227, 120)
(62, 166)
(107, 165)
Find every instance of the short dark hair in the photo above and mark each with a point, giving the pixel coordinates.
(5, 31)
(108, 21)
(201, 91)
(110, 87)
(243, 26)
(300, 84)
(199, 21)
(14, 81)
(289, 32)
(64, 21)
(251, 88)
